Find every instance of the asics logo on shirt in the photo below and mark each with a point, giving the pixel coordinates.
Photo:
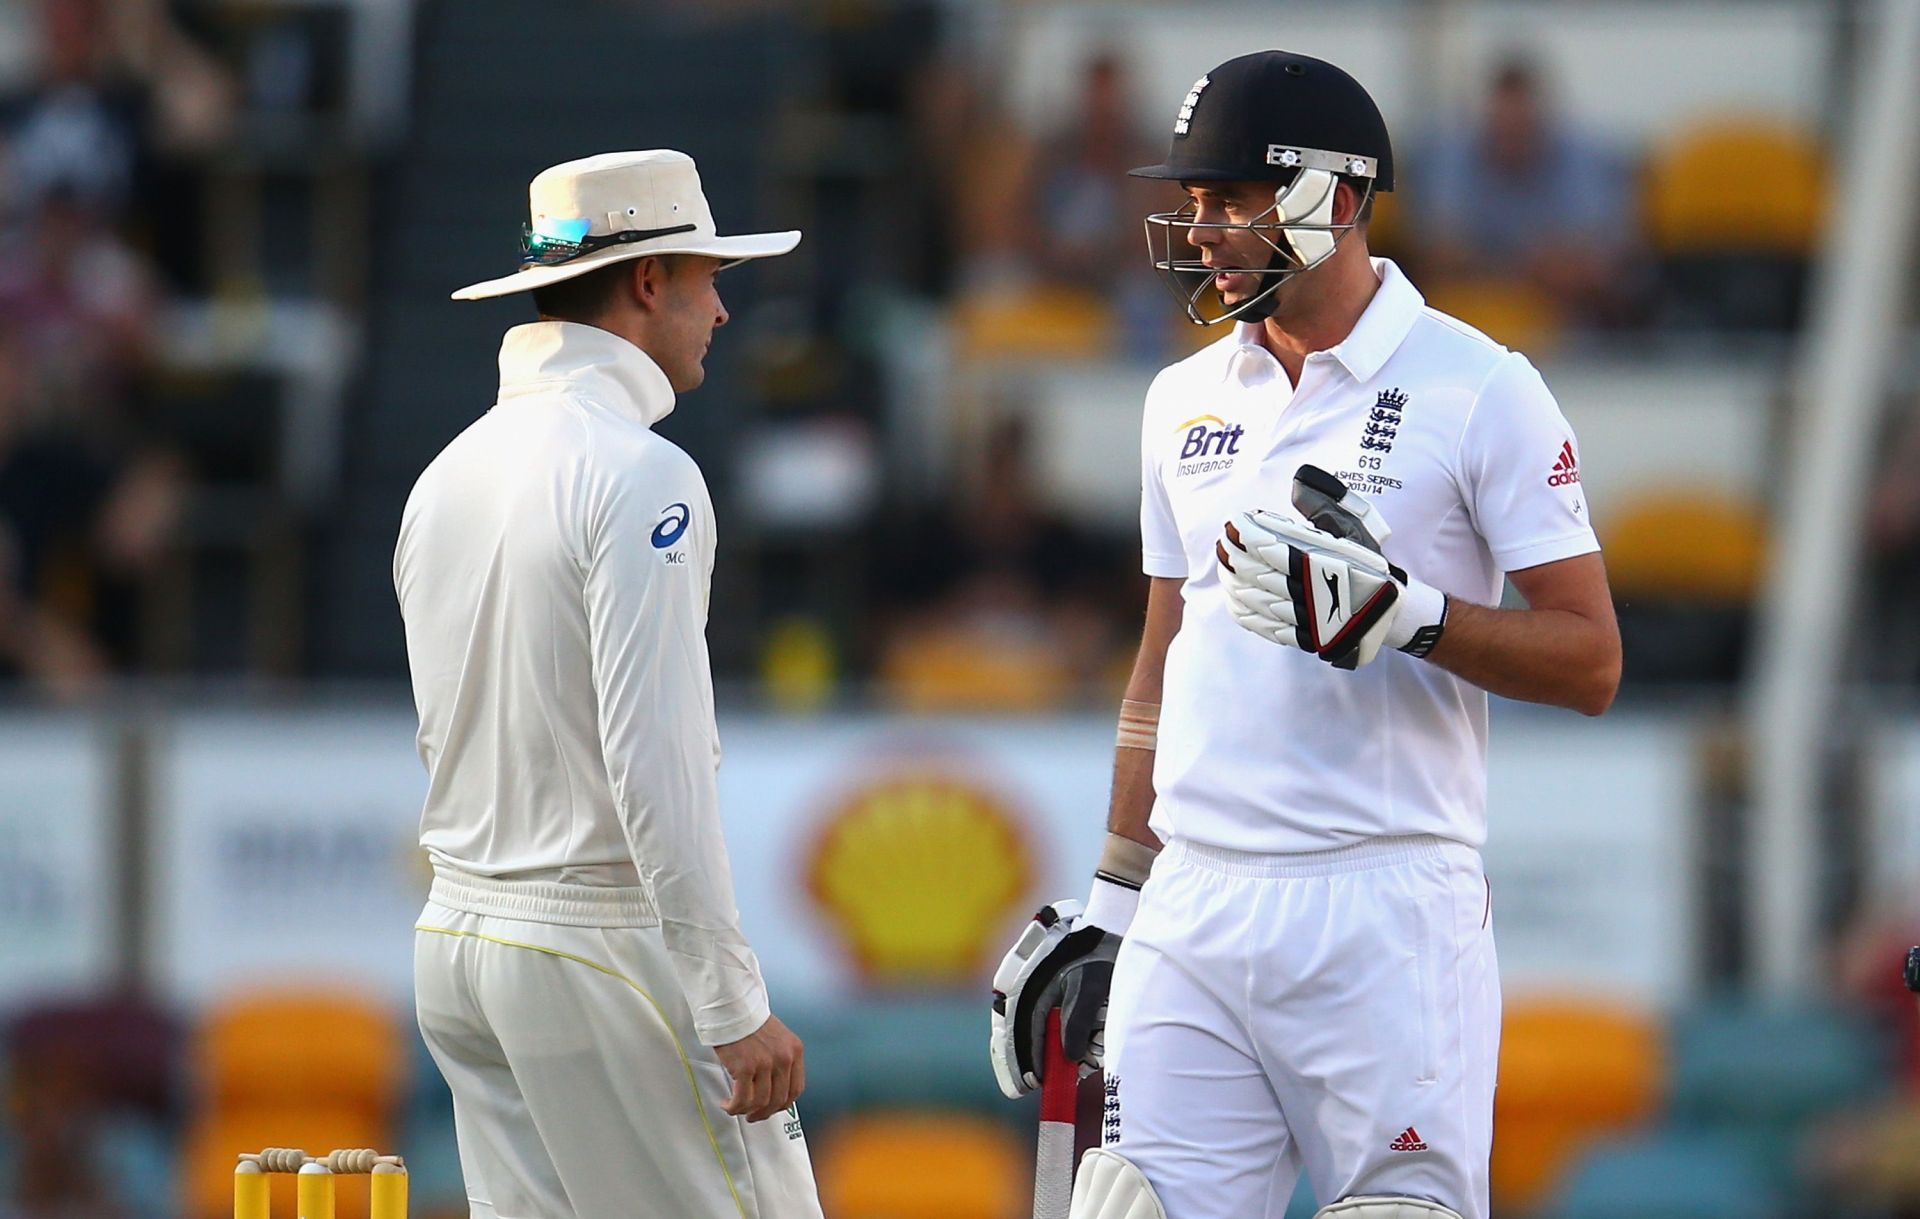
(673, 523)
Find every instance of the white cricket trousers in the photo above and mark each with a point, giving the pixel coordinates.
(579, 1088)
(1337, 1011)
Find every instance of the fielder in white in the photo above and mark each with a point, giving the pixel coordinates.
(1289, 941)
(581, 977)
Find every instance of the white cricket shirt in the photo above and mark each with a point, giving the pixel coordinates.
(553, 570)
(1267, 748)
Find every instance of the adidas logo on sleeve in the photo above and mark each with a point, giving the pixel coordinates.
(1566, 467)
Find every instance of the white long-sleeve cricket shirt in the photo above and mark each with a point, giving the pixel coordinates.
(553, 570)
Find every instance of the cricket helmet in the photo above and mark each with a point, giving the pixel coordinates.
(1272, 116)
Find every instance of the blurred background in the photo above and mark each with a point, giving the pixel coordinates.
(229, 228)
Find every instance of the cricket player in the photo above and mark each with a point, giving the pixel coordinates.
(1286, 962)
(581, 976)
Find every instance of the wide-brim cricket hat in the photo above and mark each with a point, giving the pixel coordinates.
(616, 206)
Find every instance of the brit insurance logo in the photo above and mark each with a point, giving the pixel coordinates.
(1208, 443)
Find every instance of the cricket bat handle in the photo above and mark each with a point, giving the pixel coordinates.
(1059, 1100)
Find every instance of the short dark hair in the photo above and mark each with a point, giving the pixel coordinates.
(584, 297)
(1361, 187)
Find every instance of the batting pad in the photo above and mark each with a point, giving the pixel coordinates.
(1110, 1186)
(1375, 1207)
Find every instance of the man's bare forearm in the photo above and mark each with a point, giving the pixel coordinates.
(1132, 798)
(1562, 655)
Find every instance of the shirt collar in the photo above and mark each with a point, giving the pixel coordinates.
(1388, 318)
(613, 371)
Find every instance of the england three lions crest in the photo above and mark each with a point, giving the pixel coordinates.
(1383, 421)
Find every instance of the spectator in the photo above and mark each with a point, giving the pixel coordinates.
(1867, 1160)
(84, 490)
(1087, 213)
(1893, 551)
(110, 119)
(82, 303)
(995, 568)
(83, 130)
(1529, 198)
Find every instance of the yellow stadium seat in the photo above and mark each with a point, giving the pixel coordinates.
(957, 670)
(312, 1048)
(1508, 311)
(1750, 185)
(1570, 1070)
(1046, 321)
(916, 1165)
(1685, 546)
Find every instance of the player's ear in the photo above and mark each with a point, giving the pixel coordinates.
(647, 281)
(1346, 202)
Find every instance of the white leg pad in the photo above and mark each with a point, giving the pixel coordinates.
(1110, 1186)
(1380, 1207)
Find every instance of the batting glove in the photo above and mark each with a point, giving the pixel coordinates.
(1060, 961)
(1321, 583)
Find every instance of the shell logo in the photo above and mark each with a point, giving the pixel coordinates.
(919, 873)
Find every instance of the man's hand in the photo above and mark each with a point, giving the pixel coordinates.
(1321, 584)
(769, 1071)
(1060, 961)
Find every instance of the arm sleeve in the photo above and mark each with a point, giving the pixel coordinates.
(1162, 553)
(1520, 469)
(646, 615)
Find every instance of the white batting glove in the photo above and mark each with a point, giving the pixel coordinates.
(1324, 586)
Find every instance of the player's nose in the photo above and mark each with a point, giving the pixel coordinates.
(1203, 238)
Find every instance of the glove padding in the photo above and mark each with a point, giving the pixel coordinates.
(1330, 506)
(1061, 961)
(1321, 583)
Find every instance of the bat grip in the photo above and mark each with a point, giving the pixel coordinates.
(1059, 1077)
(1054, 1158)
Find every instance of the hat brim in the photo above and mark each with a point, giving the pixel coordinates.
(730, 250)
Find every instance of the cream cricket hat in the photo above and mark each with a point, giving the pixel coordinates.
(613, 207)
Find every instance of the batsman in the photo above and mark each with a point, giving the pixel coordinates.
(1286, 962)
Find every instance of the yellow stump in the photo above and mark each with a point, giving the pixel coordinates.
(252, 1192)
(314, 1192)
(389, 1192)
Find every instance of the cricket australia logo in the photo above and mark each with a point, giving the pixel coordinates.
(1383, 421)
(1185, 119)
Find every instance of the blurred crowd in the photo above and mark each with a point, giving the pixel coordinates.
(99, 221)
(964, 245)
